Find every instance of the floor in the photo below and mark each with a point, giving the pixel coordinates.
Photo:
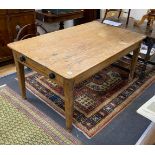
(125, 129)
(7, 69)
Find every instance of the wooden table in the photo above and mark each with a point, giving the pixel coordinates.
(58, 15)
(83, 51)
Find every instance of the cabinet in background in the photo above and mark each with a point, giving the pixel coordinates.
(10, 20)
(88, 16)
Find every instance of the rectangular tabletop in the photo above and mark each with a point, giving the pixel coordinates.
(73, 51)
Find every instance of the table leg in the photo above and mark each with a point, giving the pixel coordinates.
(21, 77)
(133, 63)
(68, 92)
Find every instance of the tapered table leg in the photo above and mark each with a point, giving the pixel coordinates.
(133, 63)
(68, 92)
(21, 76)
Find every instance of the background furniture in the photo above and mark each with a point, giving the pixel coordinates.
(58, 15)
(88, 16)
(10, 21)
(150, 17)
(25, 31)
(119, 13)
(109, 10)
(149, 41)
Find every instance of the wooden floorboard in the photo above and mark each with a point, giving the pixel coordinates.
(7, 69)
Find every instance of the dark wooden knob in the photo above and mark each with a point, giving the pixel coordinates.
(52, 76)
(22, 58)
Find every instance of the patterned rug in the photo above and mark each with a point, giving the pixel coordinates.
(21, 123)
(97, 100)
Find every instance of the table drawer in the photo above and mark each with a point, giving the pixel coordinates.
(39, 68)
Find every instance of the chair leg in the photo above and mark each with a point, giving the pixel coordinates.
(106, 11)
(120, 11)
(127, 21)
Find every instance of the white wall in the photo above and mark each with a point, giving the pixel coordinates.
(68, 23)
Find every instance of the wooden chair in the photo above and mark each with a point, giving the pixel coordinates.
(150, 17)
(120, 11)
(28, 31)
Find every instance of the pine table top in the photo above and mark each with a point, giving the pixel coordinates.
(73, 51)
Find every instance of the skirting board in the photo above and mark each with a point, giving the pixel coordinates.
(148, 137)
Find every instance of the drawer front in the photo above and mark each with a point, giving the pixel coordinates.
(20, 20)
(39, 68)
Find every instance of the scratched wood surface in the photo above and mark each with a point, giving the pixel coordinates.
(73, 51)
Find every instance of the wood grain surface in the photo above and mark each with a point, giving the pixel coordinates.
(75, 50)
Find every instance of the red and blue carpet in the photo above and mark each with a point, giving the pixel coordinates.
(97, 100)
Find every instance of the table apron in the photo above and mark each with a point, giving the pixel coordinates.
(39, 68)
(83, 76)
